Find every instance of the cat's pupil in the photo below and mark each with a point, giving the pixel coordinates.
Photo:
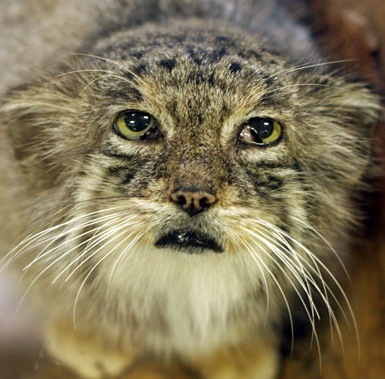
(137, 121)
(262, 128)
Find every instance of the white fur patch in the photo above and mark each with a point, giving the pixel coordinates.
(195, 295)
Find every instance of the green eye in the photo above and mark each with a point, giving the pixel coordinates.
(260, 131)
(136, 125)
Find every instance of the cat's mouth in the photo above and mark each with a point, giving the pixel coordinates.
(190, 242)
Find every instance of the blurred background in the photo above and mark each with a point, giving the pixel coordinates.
(21, 346)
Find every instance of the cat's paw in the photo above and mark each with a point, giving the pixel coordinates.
(84, 357)
(252, 362)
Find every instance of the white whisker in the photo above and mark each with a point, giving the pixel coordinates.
(318, 263)
(49, 241)
(306, 66)
(96, 265)
(296, 85)
(327, 243)
(85, 71)
(94, 232)
(104, 236)
(91, 82)
(309, 281)
(31, 239)
(122, 255)
(117, 64)
(239, 244)
(260, 261)
(303, 277)
(43, 253)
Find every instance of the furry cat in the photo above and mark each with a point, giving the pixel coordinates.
(181, 185)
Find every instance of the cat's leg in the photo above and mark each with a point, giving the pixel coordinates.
(255, 361)
(84, 356)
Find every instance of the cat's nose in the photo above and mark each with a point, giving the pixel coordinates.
(192, 200)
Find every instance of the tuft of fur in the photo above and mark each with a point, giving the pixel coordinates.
(88, 207)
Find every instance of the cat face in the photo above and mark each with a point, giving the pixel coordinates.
(190, 143)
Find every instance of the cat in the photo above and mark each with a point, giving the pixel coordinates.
(182, 184)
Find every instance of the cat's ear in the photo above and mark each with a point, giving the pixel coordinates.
(342, 116)
(361, 105)
(359, 112)
(354, 104)
(35, 118)
(347, 100)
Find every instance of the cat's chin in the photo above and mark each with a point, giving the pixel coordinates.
(188, 241)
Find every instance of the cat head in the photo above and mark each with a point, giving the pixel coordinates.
(190, 141)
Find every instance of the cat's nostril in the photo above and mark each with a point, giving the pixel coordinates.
(179, 199)
(193, 201)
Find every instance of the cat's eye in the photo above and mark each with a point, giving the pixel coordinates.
(134, 125)
(261, 131)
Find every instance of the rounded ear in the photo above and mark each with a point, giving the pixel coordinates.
(341, 116)
(360, 106)
(35, 118)
(359, 111)
(350, 101)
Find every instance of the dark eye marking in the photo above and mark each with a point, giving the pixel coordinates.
(124, 174)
